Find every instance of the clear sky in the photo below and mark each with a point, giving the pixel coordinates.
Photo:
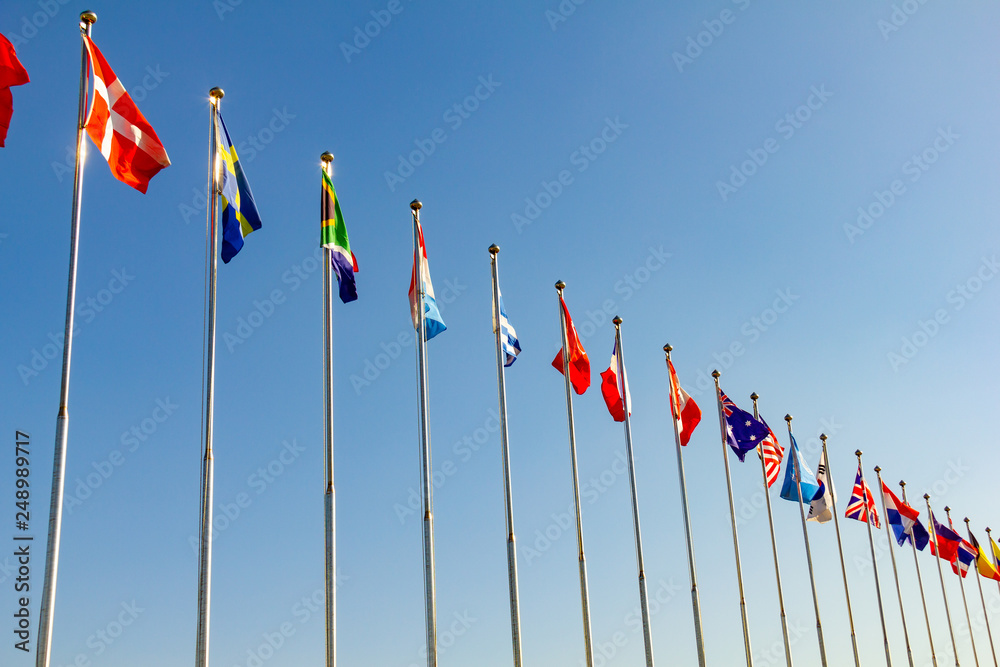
(695, 167)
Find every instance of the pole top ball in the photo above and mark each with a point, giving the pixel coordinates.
(668, 348)
(927, 496)
(754, 396)
(788, 418)
(822, 436)
(560, 285)
(494, 249)
(416, 205)
(617, 321)
(716, 374)
(326, 157)
(878, 469)
(88, 17)
(217, 93)
(857, 452)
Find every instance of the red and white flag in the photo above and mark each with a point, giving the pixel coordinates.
(579, 362)
(772, 452)
(613, 389)
(115, 124)
(686, 412)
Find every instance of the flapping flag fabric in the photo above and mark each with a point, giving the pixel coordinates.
(789, 489)
(12, 73)
(984, 563)
(508, 337)
(333, 235)
(772, 452)
(861, 506)
(579, 362)
(115, 124)
(433, 324)
(945, 542)
(903, 519)
(744, 432)
(685, 411)
(821, 507)
(995, 548)
(615, 389)
(966, 557)
(239, 211)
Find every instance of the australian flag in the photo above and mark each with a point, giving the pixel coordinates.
(743, 432)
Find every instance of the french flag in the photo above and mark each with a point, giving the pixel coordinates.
(903, 520)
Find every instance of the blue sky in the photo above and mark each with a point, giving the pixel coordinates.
(800, 196)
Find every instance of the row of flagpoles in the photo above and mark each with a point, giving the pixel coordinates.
(135, 155)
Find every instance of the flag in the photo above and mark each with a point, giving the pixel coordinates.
(945, 542)
(789, 489)
(966, 556)
(821, 507)
(579, 363)
(743, 431)
(433, 324)
(117, 127)
(686, 412)
(614, 389)
(772, 452)
(861, 506)
(12, 73)
(903, 519)
(984, 563)
(333, 235)
(508, 337)
(239, 213)
(996, 553)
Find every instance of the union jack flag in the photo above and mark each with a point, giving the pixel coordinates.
(862, 503)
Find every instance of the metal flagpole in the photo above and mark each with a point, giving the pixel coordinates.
(46, 612)
(805, 536)
(695, 601)
(982, 598)
(871, 543)
(732, 517)
(920, 584)
(774, 546)
(996, 563)
(961, 585)
(584, 592)
(430, 594)
(627, 404)
(944, 595)
(840, 548)
(208, 462)
(515, 609)
(329, 495)
(895, 572)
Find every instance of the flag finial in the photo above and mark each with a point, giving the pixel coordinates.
(217, 93)
(947, 509)
(617, 321)
(494, 249)
(326, 157)
(754, 396)
(857, 452)
(716, 374)
(560, 286)
(878, 469)
(789, 418)
(987, 529)
(668, 348)
(416, 205)
(822, 436)
(927, 496)
(88, 17)
(966, 520)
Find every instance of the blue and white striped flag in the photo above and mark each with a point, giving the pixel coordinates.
(508, 337)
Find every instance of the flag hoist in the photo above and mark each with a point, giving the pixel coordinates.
(982, 564)
(895, 572)
(681, 404)
(911, 535)
(508, 348)
(575, 366)
(866, 512)
(770, 458)
(935, 530)
(960, 566)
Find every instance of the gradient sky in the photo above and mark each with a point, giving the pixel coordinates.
(689, 92)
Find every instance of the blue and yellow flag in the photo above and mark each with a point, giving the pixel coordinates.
(239, 212)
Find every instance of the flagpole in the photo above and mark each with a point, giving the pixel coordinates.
(982, 598)
(584, 593)
(840, 549)
(774, 546)
(695, 600)
(961, 585)
(330, 494)
(208, 461)
(944, 595)
(430, 593)
(993, 555)
(515, 610)
(920, 584)
(895, 572)
(805, 537)
(871, 543)
(46, 612)
(627, 404)
(732, 518)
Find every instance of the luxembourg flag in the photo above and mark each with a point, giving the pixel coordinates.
(433, 324)
(903, 520)
(613, 389)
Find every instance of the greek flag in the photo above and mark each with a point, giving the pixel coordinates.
(508, 337)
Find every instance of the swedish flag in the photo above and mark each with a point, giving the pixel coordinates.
(239, 212)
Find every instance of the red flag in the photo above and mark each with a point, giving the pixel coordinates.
(773, 453)
(686, 412)
(12, 73)
(115, 124)
(614, 389)
(579, 363)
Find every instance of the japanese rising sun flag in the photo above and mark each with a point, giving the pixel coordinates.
(126, 140)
